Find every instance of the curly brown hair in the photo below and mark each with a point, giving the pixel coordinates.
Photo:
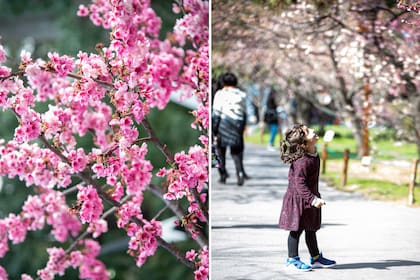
(294, 144)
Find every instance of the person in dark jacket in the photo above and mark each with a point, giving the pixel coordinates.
(228, 125)
(302, 202)
(271, 117)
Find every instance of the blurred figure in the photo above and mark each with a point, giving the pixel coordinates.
(271, 118)
(228, 125)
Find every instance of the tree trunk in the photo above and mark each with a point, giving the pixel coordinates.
(357, 127)
(347, 105)
(416, 122)
(321, 119)
(304, 111)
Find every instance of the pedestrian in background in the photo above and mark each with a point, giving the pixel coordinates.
(271, 117)
(301, 210)
(228, 125)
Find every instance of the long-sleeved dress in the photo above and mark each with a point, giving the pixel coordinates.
(297, 212)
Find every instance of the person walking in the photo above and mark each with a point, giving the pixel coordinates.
(302, 202)
(228, 125)
(271, 118)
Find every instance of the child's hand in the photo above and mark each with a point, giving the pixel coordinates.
(319, 202)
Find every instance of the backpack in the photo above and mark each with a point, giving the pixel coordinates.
(270, 116)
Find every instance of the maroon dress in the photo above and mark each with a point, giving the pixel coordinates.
(297, 212)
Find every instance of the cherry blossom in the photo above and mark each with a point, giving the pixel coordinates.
(106, 97)
(3, 273)
(201, 260)
(91, 205)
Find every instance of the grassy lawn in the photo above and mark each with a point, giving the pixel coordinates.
(382, 145)
(372, 183)
(386, 178)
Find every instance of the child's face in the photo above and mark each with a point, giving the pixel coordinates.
(311, 137)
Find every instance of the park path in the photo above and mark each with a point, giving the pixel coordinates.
(368, 239)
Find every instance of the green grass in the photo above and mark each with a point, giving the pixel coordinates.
(388, 150)
(375, 189)
(382, 143)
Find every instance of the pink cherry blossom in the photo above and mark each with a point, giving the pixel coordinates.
(83, 11)
(105, 98)
(98, 227)
(3, 57)
(30, 127)
(191, 255)
(117, 192)
(77, 159)
(92, 207)
(63, 65)
(76, 258)
(4, 246)
(25, 56)
(3, 273)
(129, 210)
(16, 228)
(143, 242)
(90, 267)
(5, 71)
(201, 259)
(56, 264)
(57, 214)
(92, 66)
(33, 211)
(138, 175)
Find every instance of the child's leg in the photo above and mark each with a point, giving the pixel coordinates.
(312, 243)
(294, 262)
(317, 260)
(293, 243)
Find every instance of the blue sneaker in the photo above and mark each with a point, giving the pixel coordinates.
(322, 262)
(296, 264)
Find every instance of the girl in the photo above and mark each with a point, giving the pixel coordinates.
(301, 210)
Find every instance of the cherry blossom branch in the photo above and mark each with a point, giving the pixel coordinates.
(337, 21)
(174, 251)
(181, 5)
(200, 203)
(160, 212)
(69, 190)
(73, 245)
(53, 149)
(162, 147)
(115, 147)
(50, 69)
(85, 233)
(169, 247)
(14, 74)
(179, 212)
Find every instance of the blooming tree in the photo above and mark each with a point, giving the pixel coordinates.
(364, 53)
(107, 96)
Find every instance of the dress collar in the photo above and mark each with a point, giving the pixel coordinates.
(312, 154)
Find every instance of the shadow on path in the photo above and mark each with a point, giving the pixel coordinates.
(386, 264)
(262, 226)
(246, 226)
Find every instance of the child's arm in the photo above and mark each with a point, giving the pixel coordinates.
(318, 202)
(301, 169)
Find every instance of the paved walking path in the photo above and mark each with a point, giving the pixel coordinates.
(368, 239)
